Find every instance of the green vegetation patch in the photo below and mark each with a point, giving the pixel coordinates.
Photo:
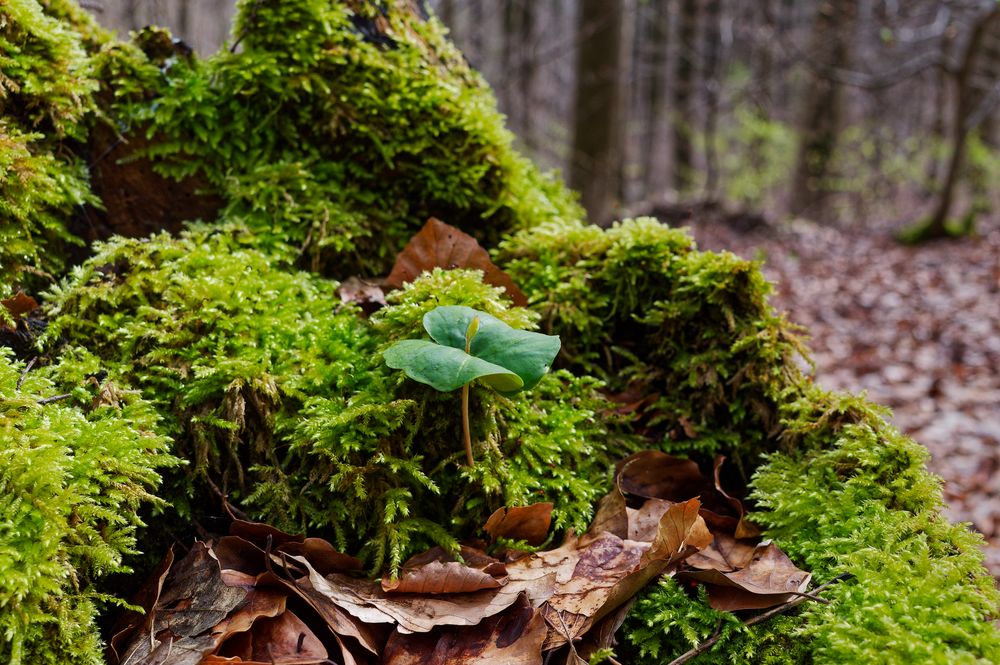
(838, 488)
(335, 130)
(74, 470)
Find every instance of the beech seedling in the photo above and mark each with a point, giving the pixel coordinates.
(467, 345)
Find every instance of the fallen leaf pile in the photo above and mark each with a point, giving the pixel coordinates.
(262, 596)
(917, 327)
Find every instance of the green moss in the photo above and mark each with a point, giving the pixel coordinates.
(337, 128)
(390, 476)
(73, 473)
(837, 487)
(46, 92)
(218, 338)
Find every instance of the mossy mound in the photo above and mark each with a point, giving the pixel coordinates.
(834, 484)
(328, 135)
(335, 129)
(74, 469)
(275, 392)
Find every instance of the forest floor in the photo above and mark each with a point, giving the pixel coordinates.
(918, 328)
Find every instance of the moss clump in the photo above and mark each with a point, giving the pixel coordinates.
(72, 475)
(638, 304)
(337, 128)
(388, 473)
(838, 488)
(277, 394)
(219, 339)
(46, 91)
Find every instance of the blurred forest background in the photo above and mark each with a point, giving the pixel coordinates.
(813, 134)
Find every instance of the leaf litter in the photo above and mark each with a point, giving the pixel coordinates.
(260, 595)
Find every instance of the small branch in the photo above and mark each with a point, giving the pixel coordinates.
(780, 609)
(55, 398)
(24, 374)
(226, 505)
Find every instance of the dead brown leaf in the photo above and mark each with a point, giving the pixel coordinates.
(17, 306)
(281, 640)
(528, 523)
(513, 637)
(194, 600)
(442, 245)
(437, 572)
(652, 474)
(768, 579)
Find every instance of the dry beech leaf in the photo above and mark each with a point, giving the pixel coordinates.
(17, 305)
(258, 603)
(723, 512)
(769, 578)
(611, 517)
(726, 554)
(440, 245)
(654, 475)
(437, 572)
(528, 523)
(194, 600)
(413, 613)
(513, 637)
(594, 579)
(281, 640)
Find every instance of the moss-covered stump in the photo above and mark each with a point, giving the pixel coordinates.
(74, 469)
(276, 394)
(839, 489)
(328, 135)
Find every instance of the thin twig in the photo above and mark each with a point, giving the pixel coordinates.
(24, 374)
(780, 609)
(55, 398)
(226, 505)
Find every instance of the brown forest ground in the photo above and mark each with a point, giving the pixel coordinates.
(918, 328)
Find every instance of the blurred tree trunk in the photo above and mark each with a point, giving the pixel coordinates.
(710, 75)
(683, 169)
(448, 13)
(597, 132)
(967, 96)
(822, 110)
(657, 29)
(526, 70)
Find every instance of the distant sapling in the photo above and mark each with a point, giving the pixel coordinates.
(467, 345)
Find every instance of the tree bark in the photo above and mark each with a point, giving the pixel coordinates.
(822, 110)
(657, 29)
(683, 168)
(713, 46)
(597, 132)
(966, 99)
(526, 71)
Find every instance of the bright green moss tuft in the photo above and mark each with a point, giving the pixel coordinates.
(388, 473)
(46, 92)
(71, 480)
(337, 128)
(218, 338)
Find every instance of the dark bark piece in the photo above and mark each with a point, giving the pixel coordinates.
(654, 475)
(440, 245)
(137, 200)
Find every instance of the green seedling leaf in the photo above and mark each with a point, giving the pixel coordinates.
(445, 368)
(527, 354)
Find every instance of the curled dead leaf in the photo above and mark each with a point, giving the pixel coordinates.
(440, 245)
(437, 572)
(528, 523)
